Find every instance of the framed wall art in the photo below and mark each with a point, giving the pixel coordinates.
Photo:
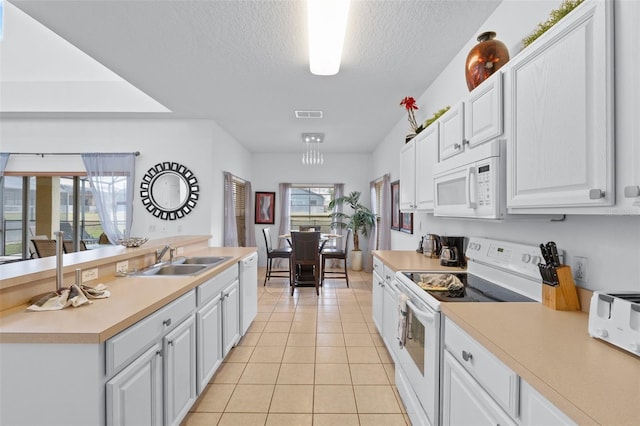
(395, 206)
(406, 222)
(265, 208)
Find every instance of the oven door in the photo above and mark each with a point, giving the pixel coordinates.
(419, 358)
(471, 190)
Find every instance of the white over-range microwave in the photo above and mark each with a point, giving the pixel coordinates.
(472, 184)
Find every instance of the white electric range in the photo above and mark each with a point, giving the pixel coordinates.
(497, 271)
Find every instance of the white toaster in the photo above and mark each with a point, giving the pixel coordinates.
(615, 318)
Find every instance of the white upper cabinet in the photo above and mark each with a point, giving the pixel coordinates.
(560, 151)
(483, 111)
(426, 157)
(416, 170)
(408, 176)
(452, 131)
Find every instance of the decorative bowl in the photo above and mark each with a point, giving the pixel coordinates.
(133, 241)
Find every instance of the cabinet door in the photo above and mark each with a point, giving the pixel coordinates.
(536, 410)
(230, 317)
(377, 300)
(426, 157)
(561, 130)
(179, 371)
(464, 402)
(452, 132)
(209, 343)
(483, 111)
(390, 320)
(134, 396)
(408, 176)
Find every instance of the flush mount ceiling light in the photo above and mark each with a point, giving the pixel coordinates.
(327, 21)
(313, 156)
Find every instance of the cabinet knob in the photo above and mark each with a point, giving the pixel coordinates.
(596, 194)
(158, 352)
(466, 355)
(166, 322)
(456, 146)
(170, 342)
(465, 142)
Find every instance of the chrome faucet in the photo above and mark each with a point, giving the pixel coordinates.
(161, 253)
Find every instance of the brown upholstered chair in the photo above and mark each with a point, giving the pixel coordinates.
(275, 253)
(305, 260)
(45, 248)
(68, 246)
(339, 254)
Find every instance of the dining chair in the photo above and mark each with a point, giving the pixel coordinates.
(275, 253)
(306, 228)
(45, 248)
(68, 246)
(336, 254)
(305, 260)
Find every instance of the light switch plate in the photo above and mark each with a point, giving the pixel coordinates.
(122, 267)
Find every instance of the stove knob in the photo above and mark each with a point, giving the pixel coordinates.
(526, 258)
(536, 259)
(600, 332)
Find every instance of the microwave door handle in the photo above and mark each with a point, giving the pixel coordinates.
(470, 173)
(423, 316)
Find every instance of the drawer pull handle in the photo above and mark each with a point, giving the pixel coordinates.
(166, 322)
(170, 342)
(466, 355)
(158, 353)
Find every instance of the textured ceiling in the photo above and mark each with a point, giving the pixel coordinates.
(244, 63)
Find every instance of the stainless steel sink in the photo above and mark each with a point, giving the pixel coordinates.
(205, 260)
(183, 266)
(173, 269)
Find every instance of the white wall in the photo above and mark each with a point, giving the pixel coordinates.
(612, 244)
(269, 170)
(200, 145)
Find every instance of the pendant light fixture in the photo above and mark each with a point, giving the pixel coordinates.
(327, 22)
(312, 156)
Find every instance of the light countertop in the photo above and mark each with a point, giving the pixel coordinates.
(589, 380)
(132, 298)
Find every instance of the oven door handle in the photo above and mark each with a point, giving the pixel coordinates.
(423, 316)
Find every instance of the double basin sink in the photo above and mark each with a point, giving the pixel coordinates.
(183, 266)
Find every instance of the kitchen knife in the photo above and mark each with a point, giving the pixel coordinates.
(545, 254)
(553, 253)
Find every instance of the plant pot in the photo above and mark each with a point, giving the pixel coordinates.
(356, 260)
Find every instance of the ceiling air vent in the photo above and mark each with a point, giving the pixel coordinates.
(308, 114)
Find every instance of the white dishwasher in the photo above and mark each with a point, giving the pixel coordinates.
(248, 291)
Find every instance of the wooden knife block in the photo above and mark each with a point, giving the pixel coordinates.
(563, 297)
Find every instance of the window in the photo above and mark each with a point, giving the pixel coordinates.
(42, 205)
(377, 186)
(239, 197)
(310, 207)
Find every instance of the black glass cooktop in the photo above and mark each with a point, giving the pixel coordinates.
(475, 289)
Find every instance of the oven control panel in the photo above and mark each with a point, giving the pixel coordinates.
(514, 257)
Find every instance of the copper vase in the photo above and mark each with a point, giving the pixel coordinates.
(485, 58)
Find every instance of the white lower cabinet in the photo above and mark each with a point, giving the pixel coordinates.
(464, 401)
(230, 316)
(535, 409)
(134, 396)
(390, 319)
(179, 347)
(377, 300)
(209, 328)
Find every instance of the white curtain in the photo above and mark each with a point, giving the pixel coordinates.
(230, 225)
(249, 219)
(112, 176)
(384, 237)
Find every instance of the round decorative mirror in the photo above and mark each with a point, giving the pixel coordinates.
(169, 190)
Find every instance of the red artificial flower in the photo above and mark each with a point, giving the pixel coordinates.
(409, 103)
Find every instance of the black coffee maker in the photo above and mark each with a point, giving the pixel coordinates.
(452, 252)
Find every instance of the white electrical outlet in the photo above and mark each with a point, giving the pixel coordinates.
(89, 275)
(580, 269)
(179, 250)
(122, 267)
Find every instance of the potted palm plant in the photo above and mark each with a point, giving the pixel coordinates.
(361, 221)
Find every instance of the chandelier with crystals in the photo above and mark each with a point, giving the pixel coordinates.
(312, 156)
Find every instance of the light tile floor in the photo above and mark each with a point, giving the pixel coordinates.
(306, 360)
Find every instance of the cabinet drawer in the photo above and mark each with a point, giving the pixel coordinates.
(214, 286)
(389, 274)
(498, 380)
(378, 266)
(125, 346)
